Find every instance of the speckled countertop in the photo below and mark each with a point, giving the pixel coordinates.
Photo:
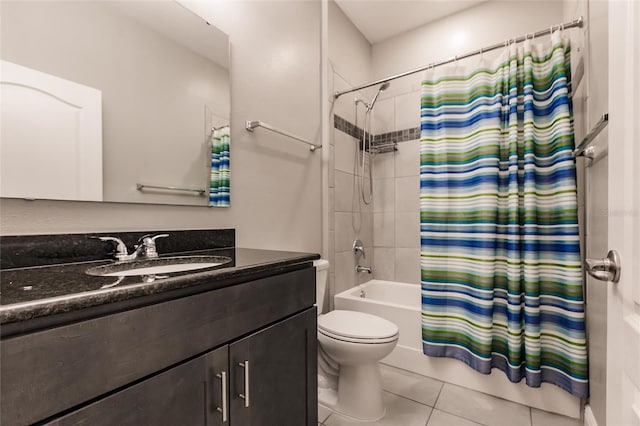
(35, 292)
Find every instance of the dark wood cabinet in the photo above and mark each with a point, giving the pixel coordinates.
(277, 381)
(177, 396)
(175, 363)
(279, 387)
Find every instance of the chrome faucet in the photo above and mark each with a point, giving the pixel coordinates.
(146, 247)
(358, 251)
(363, 269)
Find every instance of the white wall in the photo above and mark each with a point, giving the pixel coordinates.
(276, 189)
(349, 50)
(483, 25)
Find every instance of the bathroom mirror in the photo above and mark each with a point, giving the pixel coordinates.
(113, 101)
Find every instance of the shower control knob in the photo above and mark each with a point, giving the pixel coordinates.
(358, 249)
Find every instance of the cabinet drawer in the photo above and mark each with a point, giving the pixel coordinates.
(175, 397)
(50, 371)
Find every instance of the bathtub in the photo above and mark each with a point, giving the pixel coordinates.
(400, 303)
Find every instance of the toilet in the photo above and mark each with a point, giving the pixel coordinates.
(350, 344)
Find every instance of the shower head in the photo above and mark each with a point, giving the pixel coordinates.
(383, 86)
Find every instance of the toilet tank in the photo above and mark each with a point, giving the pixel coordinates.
(322, 278)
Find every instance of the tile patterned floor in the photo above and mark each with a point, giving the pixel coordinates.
(412, 399)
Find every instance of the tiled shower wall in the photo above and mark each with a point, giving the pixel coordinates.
(349, 218)
(389, 226)
(353, 218)
(396, 185)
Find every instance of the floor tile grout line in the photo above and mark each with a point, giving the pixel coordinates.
(462, 417)
(530, 416)
(429, 416)
(409, 399)
(439, 393)
(330, 414)
(434, 403)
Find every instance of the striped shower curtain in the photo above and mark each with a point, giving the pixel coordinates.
(500, 257)
(219, 194)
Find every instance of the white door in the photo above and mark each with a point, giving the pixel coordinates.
(51, 136)
(623, 305)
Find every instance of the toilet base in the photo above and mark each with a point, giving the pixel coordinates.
(359, 393)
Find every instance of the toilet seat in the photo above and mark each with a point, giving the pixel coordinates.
(356, 340)
(357, 327)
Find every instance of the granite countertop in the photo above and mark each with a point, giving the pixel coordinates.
(41, 291)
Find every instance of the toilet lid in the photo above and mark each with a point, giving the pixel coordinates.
(356, 325)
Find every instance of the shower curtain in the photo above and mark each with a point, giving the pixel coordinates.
(500, 256)
(219, 194)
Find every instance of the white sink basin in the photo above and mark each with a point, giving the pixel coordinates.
(161, 265)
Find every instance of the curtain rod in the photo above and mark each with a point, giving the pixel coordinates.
(579, 22)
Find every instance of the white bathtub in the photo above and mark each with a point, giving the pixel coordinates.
(400, 303)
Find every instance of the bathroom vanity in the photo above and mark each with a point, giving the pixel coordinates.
(231, 345)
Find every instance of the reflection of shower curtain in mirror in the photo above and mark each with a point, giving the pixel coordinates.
(501, 266)
(220, 173)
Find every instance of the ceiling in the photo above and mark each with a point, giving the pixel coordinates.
(379, 20)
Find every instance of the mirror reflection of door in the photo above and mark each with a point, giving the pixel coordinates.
(163, 73)
(51, 136)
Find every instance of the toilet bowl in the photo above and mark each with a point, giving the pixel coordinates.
(350, 346)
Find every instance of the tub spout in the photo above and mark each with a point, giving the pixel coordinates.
(363, 269)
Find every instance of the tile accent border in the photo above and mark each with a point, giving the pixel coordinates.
(349, 128)
(398, 136)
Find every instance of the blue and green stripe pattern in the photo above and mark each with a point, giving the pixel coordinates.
(500, 257)
(219, 194)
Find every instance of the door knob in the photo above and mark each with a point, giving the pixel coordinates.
(607, 269)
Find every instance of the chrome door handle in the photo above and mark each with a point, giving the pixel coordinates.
(223, 377)
(245, 396)
(607, 269)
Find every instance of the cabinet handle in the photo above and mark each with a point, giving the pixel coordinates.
(223, 378)
(245, 396)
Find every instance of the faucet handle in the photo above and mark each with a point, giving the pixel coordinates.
(121, 247)
(148, 237)
(148, 242)
(358, 249)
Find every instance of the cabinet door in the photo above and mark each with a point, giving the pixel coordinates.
(183, 395)
(279, 384)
